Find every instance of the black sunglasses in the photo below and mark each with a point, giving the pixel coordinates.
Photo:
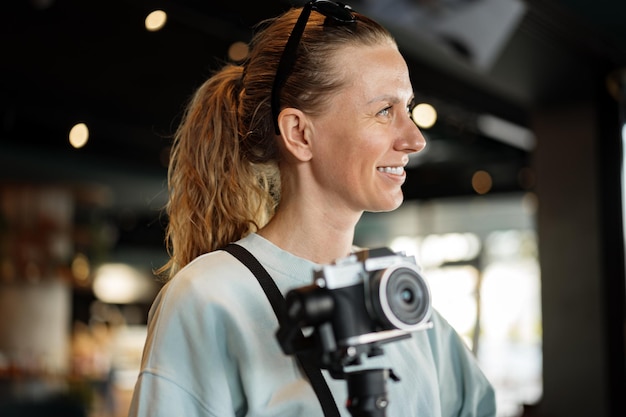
(339, 12)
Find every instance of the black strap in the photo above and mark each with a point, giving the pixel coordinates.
(278, 305)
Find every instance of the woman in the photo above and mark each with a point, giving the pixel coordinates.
(283, 155)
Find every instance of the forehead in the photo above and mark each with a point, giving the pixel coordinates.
(372, 71)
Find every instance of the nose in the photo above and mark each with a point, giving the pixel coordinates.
(410, 138)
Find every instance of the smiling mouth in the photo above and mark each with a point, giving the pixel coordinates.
(391, 170)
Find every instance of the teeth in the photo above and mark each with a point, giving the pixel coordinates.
(391, 170)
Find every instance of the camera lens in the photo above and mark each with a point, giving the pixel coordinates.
(401, 297)
(407, 295)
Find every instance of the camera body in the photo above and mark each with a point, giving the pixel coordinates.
(357, 303)
(378, 294)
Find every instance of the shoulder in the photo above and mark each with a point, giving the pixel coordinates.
(211, 297)
(449, 349)
(442, 335)
(209, 274)
(209, 286)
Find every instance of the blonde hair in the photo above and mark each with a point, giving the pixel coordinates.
(223, 176)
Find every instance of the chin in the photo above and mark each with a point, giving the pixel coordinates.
(389, 205)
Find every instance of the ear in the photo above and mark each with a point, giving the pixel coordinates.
(295, 133)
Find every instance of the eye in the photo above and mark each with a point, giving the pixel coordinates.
(385, 112)
(410, 107)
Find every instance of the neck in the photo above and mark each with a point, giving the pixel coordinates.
(317, 235)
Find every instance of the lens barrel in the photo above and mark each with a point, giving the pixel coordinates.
(400, 297)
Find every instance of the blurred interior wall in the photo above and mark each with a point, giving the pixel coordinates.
(35, 326)
(36, 246)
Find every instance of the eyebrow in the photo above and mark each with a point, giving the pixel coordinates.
(390, 98)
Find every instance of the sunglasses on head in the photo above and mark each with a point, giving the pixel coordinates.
(339, 12)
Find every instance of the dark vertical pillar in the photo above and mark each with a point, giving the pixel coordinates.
(611, 116)
(582, 258)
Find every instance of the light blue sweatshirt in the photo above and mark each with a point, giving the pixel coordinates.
(211, 351)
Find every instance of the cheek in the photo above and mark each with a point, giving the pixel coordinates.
(359, 168)
(347, 149)
(342, 167)
(357, 152)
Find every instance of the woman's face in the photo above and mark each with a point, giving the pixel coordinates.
(363, 138)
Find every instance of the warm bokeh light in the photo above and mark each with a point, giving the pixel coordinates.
(79, 135)
(156, 20)
(530, 203)
(482, 182)
(81, 268)
(117, 283)
(424, 115)
(238, 51)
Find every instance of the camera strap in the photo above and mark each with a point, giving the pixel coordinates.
(277, 300)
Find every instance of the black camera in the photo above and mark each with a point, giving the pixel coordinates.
(355, 304)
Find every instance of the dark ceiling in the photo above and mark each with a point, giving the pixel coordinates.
(69, 61)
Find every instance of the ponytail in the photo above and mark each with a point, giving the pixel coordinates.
(216, 195)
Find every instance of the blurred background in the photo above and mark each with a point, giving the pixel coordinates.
(514, 210)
